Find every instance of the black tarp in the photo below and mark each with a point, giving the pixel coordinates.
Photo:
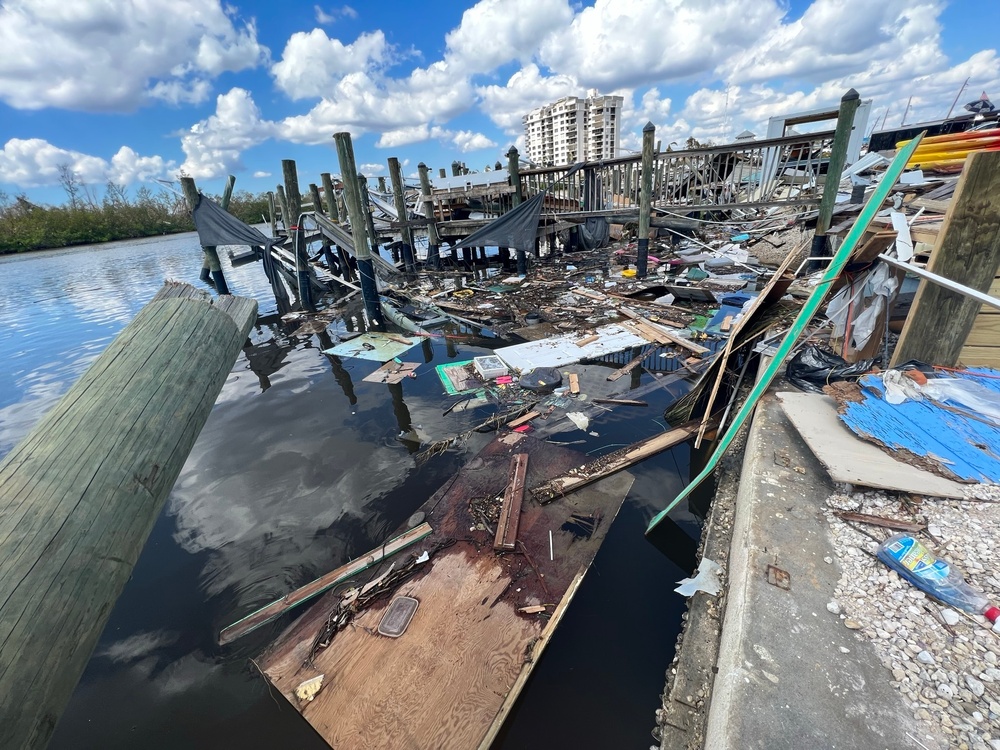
(517, 228)
(218, 227)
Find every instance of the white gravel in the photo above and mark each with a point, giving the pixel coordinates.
(948, 674)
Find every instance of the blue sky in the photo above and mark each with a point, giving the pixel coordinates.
(134, 90)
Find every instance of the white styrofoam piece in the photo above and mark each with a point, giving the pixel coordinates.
(559, 351)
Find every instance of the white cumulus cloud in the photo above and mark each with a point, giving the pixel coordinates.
(116, 56)
(34, 162)
(214, 146)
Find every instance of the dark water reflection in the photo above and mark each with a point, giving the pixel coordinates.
(301, 466)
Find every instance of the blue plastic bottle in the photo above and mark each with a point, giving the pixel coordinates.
(914, 562)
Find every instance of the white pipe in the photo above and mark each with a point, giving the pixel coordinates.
(942, 281)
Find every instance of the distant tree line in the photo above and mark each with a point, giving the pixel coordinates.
(86, 219)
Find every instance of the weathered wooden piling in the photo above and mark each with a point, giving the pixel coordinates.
(849, 104)
(442, 173)
(645, 200)
(294, 201)
(330, 195)
(514, 172)
(80, 494)
(381, 184)
(332, 263)
(271, 214)
(396, 178)
(211, 254)
(333, 211)
(359, 228)
(366, 208)
(433, 242)
(967, 251)
(283, 205)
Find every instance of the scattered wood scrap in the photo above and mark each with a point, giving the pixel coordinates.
(886, 523)
(522, 420)
(510, 510)
(611, 463)
(620, 401)
(303, 594)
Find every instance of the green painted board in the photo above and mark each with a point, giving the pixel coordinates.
(373, 346)
(455, 378)
(805, 315)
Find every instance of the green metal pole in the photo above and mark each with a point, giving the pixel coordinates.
(849, 104)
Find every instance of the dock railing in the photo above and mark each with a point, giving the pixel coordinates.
(772, 172)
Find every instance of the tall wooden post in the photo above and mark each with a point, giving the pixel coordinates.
(80, 494)
(327, 250)
(396, 178)
(366, 206)
(330, 195)
(294, 200)
(283, 205)
(514, 171)
(381, 185)
(645, 200)
(838, 156)
(272, 218)
(359, 228)
(433, 242)
(968, 252)
(211, 255)
(333, 211)
(442, 173)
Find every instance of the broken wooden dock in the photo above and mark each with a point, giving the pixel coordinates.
(483, 620)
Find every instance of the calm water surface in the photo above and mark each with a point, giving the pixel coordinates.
(299, 468)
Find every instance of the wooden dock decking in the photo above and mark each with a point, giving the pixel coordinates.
(452, 678)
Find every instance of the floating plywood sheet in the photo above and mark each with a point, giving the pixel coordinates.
(392, 372)
(851, 460)
(451, 679)
(374, 346)
(559, 351)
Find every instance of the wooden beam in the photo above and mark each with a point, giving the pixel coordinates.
(630, 365)
(611, 463)
(522, 420)
(275, 609)
(657, 335)
(967, 252)
(80, 494)
(510, 511)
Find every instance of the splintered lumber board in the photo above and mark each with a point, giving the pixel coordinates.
(452, 678)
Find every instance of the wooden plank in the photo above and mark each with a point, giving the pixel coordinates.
(630, 365)
(980, 356)
(510, 510)
(604, 466)
(620, 401)
(275, 609)
(657, 335)
(854, 461)
(526, 418)
(574, 383)
(985, 331)
(882, 521)
(587, 340)
(968, 252)
(929, 204)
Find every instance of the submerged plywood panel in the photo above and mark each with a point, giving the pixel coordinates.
(377, 347)
(851, 460)
(451, 678)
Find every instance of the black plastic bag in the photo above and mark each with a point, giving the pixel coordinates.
(540, 379)
(813, 367)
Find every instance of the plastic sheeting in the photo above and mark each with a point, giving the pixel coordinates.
(517, 228)
(218, 227)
